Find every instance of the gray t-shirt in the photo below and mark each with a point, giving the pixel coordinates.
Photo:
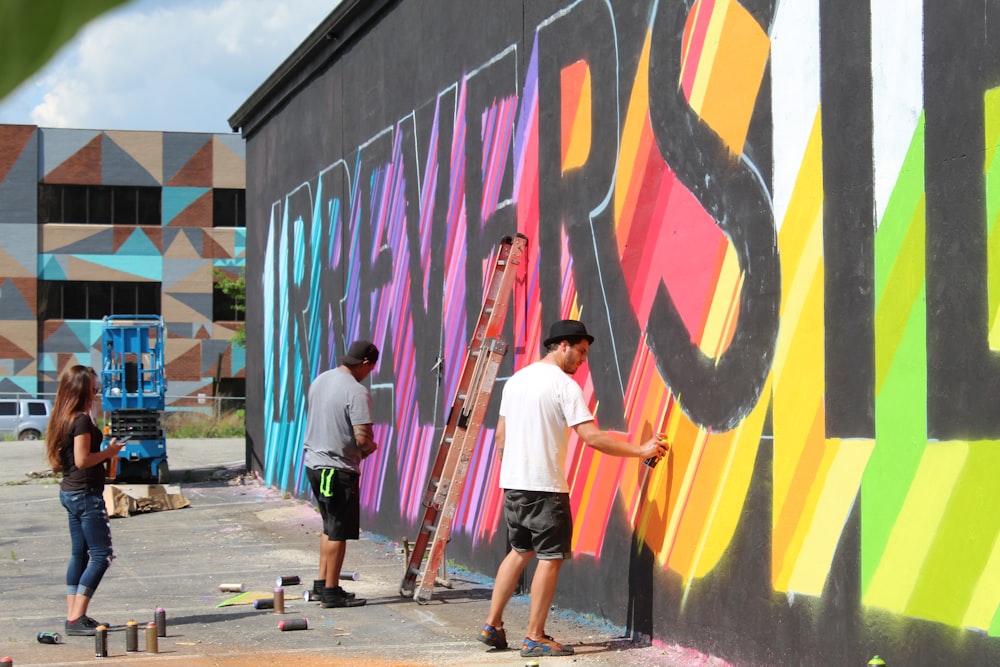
(336, 403)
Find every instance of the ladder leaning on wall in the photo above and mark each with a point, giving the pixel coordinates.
(479, 372)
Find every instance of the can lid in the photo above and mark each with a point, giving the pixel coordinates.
(132, 622)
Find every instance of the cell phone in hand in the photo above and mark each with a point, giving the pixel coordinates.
(123, 439)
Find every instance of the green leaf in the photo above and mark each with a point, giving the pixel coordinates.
(32, 31)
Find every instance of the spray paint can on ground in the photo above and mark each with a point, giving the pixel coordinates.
(231, 588)
(48, 638)
(876, 662)
(161, 622)
(353, 575)
(294, 624)
(264, 603)
(101, 642)
(6, 661)
(279, 600)
(151, 641)
(131, 637)
(287, 581)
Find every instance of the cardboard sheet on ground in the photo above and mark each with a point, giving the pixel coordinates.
(127, 499)
(246, 598)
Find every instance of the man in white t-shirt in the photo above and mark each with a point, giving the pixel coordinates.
(540, 403)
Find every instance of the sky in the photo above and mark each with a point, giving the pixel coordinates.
(168, 65)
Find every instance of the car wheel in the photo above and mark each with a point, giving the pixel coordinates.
(29, 434)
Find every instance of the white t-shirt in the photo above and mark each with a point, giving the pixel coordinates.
(539, 405)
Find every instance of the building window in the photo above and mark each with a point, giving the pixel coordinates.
(100, 204)
(91, 300)
(226, 308)
(229, 208)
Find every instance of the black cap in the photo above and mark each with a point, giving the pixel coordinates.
(360, 351)
(566, 329)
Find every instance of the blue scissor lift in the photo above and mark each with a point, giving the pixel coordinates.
(133, 393)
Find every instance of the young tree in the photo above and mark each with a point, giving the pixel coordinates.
(236, 290)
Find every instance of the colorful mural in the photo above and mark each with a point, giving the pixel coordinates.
(777, 219)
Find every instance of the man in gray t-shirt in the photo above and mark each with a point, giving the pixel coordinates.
(338, 436)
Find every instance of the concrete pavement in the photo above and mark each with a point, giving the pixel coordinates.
(236, 530)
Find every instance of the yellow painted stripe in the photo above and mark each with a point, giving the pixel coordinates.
(713, 37)
(913, 534)
(838, 492)
(579, 145)
(722, 308)
(798, 288)
(788, 546)
(800, 350)
(983, 604)
(685, 56)
(730, 494)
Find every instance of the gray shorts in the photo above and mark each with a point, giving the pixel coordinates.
(539, 521)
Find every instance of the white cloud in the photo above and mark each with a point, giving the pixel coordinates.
(165, 65)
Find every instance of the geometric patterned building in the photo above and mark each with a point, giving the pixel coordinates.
(99, 222)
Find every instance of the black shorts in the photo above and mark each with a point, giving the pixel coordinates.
(338, 495)
(539, 521)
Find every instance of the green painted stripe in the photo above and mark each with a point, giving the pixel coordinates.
(901, 435)
(900, 360)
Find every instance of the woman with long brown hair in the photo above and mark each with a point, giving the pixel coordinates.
(73, 447)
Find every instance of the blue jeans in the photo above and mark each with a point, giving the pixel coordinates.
(90, 536)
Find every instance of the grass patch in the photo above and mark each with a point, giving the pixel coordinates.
(198, 425)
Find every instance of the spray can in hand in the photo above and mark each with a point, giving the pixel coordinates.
(653, 460)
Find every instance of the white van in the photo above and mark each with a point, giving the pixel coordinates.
(25, 418)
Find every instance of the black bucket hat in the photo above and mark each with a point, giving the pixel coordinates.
(566, 329)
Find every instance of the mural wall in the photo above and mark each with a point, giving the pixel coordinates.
(176, 255)
(777, 219)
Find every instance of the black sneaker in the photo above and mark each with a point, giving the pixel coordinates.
(332, 599)
(80, 628)
(344, 594)
(91, 623)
